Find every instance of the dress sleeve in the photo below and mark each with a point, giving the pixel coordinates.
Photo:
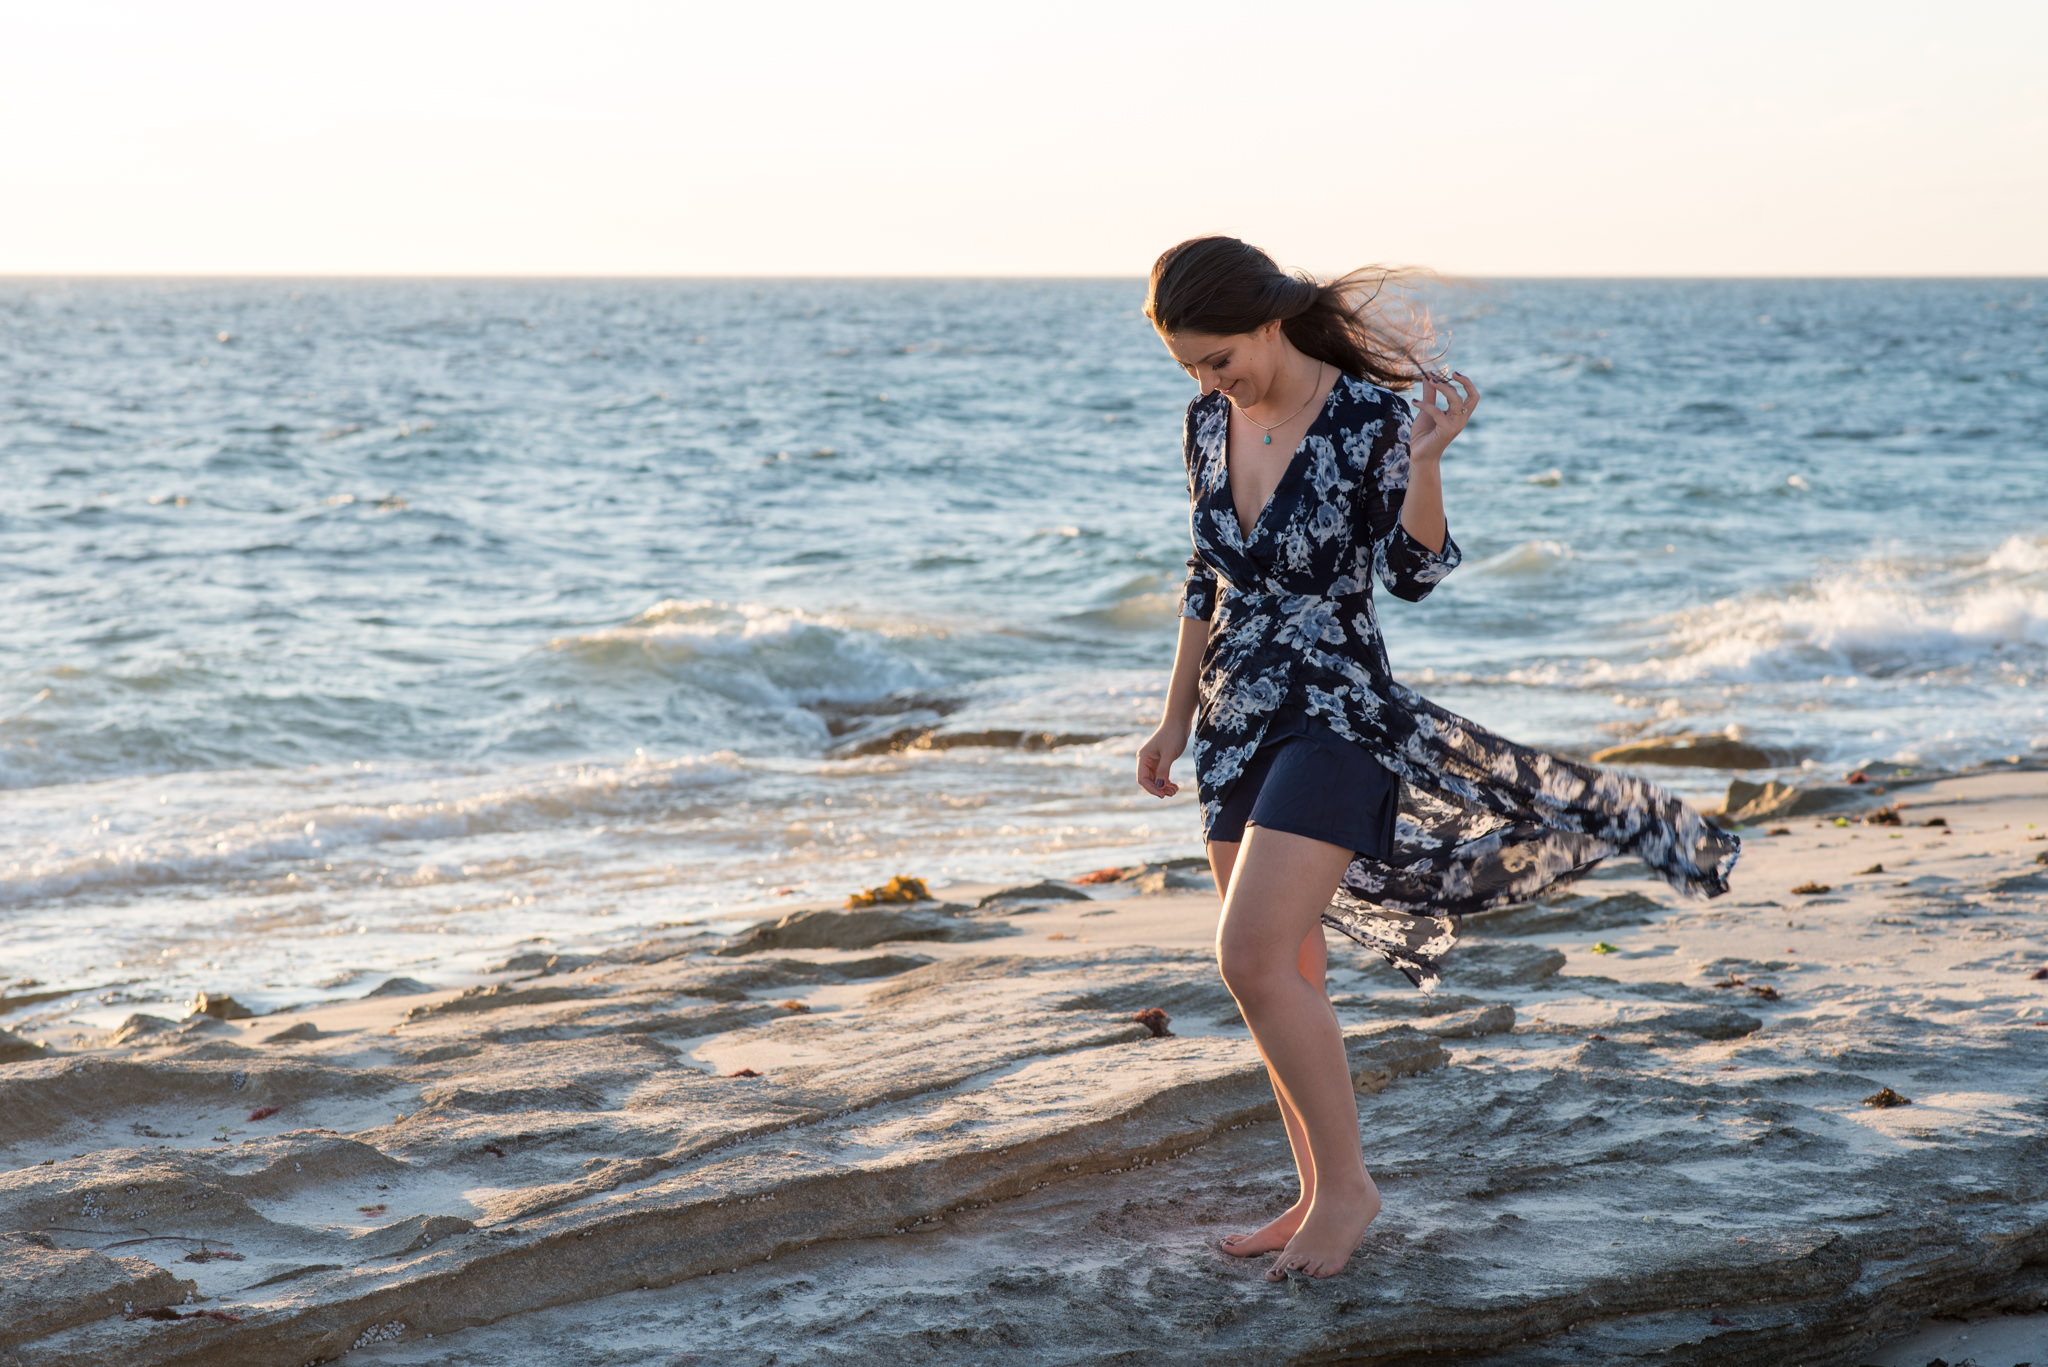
(1408, 568)
(1198, 594)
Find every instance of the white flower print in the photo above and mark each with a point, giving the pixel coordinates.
(1326, 521)
(1322, 468)
(1211, 440)
(1308, 622)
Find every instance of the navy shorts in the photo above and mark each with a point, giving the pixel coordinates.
(1308, 780)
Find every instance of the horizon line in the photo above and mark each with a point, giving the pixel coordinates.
(1448, 277)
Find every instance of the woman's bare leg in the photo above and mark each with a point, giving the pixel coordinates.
(1314, 963)
(1279, 885)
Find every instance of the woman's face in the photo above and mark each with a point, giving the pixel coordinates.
(1241, 364)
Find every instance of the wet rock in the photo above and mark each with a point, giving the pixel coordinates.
(44, 1289)
(400, 987)
(219, 1007)
(1748, 803)
(20, 999)
(497, 997)
(116, 1188)
(42, 1097)
(1710, 1023)
(879, 966)
(1497, 1019)
(1567, 914)
(1180, 875)
(1480, 966)
(138, 1027)
(1034, 892)
(408, 1236)
(284, 1165)
(541, 963)
(1698, 752)
(939, 738)
(13, 1048)
(292, 1274)
(861, 929)
(1377, 1060)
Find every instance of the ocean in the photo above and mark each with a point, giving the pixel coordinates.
(358, 628)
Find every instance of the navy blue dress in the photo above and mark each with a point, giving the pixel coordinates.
(1483, 822)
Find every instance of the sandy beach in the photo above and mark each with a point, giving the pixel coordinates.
(932, 1132)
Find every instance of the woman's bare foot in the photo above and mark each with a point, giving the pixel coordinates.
(1274, 1236)
(1330, 1234)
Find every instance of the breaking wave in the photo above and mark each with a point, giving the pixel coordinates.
(751, 648)
(1879, 619)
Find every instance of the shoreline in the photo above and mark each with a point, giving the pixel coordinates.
(961, 1148)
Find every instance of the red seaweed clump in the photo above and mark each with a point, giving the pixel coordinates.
(1102, 876)
(1155, 1020)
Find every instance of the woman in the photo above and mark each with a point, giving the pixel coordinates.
(1309, 478)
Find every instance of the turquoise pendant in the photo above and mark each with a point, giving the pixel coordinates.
(1269, 439)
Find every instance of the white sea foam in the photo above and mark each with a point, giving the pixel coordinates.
(1880, 618)
(242, 848)
(1529, 557)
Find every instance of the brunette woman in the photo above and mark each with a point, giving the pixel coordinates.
(1331, 794)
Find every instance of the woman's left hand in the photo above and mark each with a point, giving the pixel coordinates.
(1435, 428)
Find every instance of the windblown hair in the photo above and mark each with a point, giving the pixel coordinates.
(1223, 286)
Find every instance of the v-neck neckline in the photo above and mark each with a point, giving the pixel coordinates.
(1246, 535)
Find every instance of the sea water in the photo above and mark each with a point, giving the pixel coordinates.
(359, 628)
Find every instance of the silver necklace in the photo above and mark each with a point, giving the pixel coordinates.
(1267, 428)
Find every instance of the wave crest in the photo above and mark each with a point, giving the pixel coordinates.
(783, 653)
(1879, 618)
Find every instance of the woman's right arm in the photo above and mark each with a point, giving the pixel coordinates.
(1165, 745)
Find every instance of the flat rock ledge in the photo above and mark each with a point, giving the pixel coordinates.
(983, 1157)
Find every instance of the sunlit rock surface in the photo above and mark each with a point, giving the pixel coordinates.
(960, 1151)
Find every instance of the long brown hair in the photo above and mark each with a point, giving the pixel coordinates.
(1363, 323)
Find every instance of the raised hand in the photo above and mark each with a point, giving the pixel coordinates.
(1435, 428)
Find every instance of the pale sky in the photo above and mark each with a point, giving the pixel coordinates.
(608, 137)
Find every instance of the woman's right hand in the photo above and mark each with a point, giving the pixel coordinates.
(1157, 755)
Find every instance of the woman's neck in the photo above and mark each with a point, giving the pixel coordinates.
(1295, 381)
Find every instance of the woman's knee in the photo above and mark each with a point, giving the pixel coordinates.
(1250, 968)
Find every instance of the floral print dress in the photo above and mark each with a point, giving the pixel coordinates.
(1483, 821)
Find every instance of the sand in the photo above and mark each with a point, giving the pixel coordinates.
(1628, 1126)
